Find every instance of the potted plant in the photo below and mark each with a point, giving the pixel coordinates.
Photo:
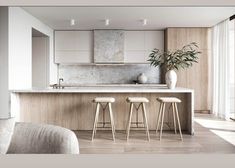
(174, 60)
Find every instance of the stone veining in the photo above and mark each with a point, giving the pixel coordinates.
(109, 46)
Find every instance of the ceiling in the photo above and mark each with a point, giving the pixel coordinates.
(130, 18)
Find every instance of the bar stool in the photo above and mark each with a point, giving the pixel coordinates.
(103, 102)
(173, 101)
(137, 102)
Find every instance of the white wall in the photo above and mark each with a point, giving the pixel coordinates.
(4, 94)
(16, 53)
(20, 48)
(40, 62)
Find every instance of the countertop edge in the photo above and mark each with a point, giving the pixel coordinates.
(99, 90)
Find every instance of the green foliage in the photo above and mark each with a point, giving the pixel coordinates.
(182, 58)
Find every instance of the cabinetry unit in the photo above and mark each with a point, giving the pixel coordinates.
(73, 46)
(78, 46)
(138, 45)
(196, 77)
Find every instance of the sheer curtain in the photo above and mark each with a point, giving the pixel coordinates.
(220, 69)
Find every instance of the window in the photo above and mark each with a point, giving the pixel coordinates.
(232, 69)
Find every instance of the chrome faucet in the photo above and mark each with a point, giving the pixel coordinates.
(61, 80)
(58, 86)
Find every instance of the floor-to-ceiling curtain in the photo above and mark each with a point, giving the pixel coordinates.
(220, 69)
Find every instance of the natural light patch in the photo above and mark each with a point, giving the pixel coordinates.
(226, 135)
(216, 124)
(222, 128)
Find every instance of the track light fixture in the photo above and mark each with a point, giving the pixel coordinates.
(106, 22)
(72, 22)
(144, 22)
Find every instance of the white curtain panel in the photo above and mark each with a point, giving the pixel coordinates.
(220, 69)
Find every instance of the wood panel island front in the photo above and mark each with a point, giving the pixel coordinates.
(72, 107)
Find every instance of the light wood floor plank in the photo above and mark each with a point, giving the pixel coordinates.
(204, 141)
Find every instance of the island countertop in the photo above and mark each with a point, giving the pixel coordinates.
(109, 88)
(72, 107)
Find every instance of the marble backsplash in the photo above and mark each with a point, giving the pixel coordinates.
(106, 74)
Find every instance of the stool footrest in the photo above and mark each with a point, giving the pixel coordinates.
(103, 127)
(137, 127)
(137, 122)
(100, 122)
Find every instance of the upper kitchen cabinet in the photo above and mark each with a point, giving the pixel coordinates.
(138, 45)
(73, 46)
(106, 46)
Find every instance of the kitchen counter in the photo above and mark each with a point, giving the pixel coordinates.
(72, 107)
(112, 88)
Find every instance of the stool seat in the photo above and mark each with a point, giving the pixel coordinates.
(137, 100)
(169, 99)
(104, 100)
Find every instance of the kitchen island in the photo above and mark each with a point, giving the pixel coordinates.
(72, 107)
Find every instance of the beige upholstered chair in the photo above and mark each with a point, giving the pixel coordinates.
(30, 138)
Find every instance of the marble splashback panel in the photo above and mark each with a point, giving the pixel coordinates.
(106, 74)
(108, 46)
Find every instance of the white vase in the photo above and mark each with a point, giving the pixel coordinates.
(142, 78)
(171, 79)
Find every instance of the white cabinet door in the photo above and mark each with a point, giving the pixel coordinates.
(139, 44)
(134, 40)
(73, 46)
(154, 39)
(73, 57)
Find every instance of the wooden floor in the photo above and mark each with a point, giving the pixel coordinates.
(205, 140)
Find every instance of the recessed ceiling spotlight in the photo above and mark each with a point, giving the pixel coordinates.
(106, 22)
(144, 22)
(72, 22)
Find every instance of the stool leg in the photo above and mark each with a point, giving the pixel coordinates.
(163, 111)
(173, 111)
(159, 117)
(145, 121)
(112, 122)
(177, 115)
(112, 119)
(129, 121)
(103, 110)
(96, 120)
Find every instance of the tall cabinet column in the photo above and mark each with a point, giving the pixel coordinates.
(197, 76)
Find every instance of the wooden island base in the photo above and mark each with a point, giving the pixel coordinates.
(76, 111)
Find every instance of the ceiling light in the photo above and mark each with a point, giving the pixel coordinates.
(72, 22)
(106, 22)
(144, 22)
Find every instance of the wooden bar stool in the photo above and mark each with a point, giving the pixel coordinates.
(137, 102)
(103, 102)
(173, 101)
